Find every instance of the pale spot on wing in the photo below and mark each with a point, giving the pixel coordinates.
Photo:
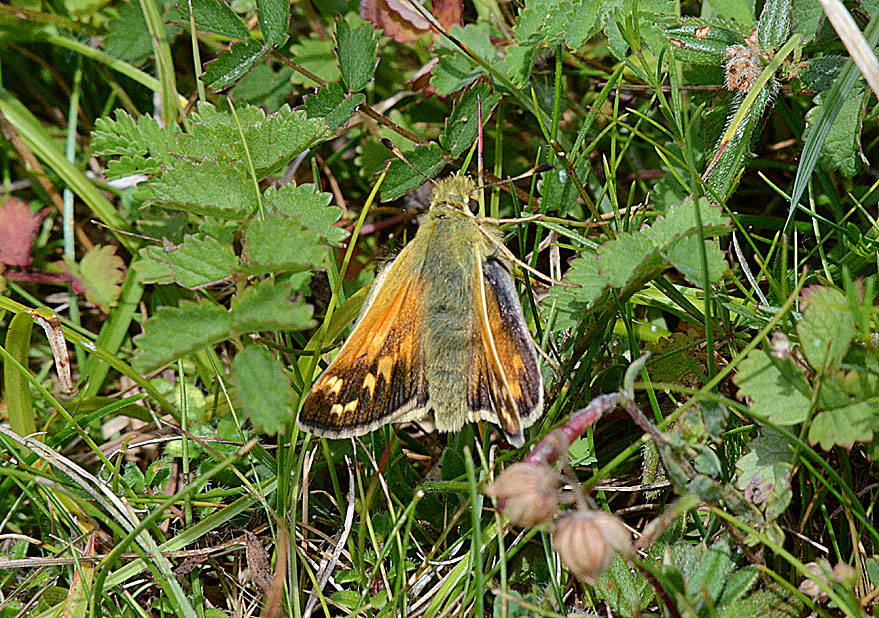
(334, 385)
(369, 383)
(386, 367)
(337, 409)
(350, 406)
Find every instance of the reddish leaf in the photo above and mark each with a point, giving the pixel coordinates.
(18, 229)
(402, 23)
(448, 12)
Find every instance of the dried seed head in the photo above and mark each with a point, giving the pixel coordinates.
(586, 542)
(527, 493)
(779, 346)
(743, 67)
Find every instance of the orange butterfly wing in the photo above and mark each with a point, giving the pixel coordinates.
(378, 375)
(505, 385)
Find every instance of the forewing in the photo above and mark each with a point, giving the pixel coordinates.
(378, 375)
(505, 386)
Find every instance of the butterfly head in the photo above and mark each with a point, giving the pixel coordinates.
(455, 192)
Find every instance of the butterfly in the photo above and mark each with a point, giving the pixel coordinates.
(441, 335)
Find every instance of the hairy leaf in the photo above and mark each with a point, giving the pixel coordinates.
(264, 389)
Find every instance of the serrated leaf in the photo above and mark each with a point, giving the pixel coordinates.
(175, 331)
(215, 16)
(99, 274)
(550, 22)
(273, 17)
(264, 86)
(128, 37)
(233, 64)
(806, 18)
(357, 49)
(685, 256)
(264, 389)
(280, 138)
(141, 144)
(842, 147)
(776, 388)
(680, 221)
(827, 327)
(331, 105)
(619, 258)
(269, 306)
(310, 206)
(462, 125)
(764, 473)
(207, 188)
(773, 28)
(701, 42)
(317, 56)
(197, 262)
(453, 72)
(402, 178)
(150, 270)
(518, 62)
(283, 244)
(272, 141)
(844, 426)
(820, 73)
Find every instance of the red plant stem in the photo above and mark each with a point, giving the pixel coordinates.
(557, 441)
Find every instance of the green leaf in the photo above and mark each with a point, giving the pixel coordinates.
(685, 256)
(820, 73)
(264, 86)
(462, 126)
(827, 327)
(316, 55)
(142, 145)
(842, 147)
(806, 18)
(619, 258)
(356, 48)
(402, 178)
(151, 270)
(764, 473)
(701, 42)
(680, 222)
(283, 244)
(273, 20)
(207, 188)
(264, 389)
(175, 331)
(844, 426)
(233, 64)
(272, 141)
(773, 28)
(197, 262)
(310, 206)
(550, 22)
(518, 62)
(99, 274)
(739, 11)
(128, 37)
(331, 105)
(269, 306)
(453, 72)
(215, 16)
(776, 388)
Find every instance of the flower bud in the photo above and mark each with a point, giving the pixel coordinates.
(527, 493)
(586, 542)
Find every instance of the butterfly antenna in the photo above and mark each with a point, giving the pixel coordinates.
(537, 169)
(399, 154)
